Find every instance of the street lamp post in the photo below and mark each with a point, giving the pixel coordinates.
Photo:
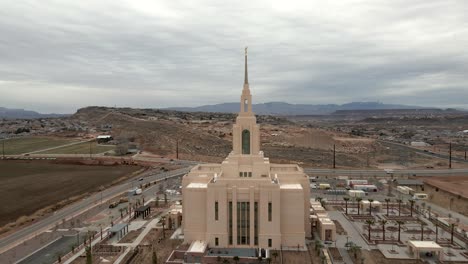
(3, 149)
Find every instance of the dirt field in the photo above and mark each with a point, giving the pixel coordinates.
(454, 184)
(27, 186)
(81, 148)
(16, 146)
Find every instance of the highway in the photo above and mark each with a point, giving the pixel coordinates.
(420, 151)
(76, 208)
(383, 173)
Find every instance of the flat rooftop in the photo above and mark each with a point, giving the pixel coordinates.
(326, 221)
(198, 246)
(117, 227)
(293, 186)
(410, 182)
(196, 185)
(424, 244)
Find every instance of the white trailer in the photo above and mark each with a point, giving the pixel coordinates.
(404, 190)
(365, 187)
(324, 186)
(420, 196)
(350, 183)
(356, 193)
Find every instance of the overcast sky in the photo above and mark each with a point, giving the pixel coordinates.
(57, 56)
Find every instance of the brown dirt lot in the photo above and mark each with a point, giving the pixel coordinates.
(454, 184)
(27, 186)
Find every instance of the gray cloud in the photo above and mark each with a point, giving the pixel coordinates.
(57, 56)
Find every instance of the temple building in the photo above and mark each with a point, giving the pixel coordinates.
(246, 201)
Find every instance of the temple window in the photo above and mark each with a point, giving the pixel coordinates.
(246, 142)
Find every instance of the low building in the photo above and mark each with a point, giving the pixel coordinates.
(415, 248)
(409, 183)
(103, 139)
(326, 229)
(174, 217)
(376, 205)
(119, 230)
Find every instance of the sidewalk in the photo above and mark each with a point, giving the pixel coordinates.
(140, 237)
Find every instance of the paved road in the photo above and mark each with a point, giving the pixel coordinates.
(75, 208)
(382, 173)
(57, 147)
(48, 254)
(427, 153)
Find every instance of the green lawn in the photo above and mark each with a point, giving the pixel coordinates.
(16, 146)
(80, 148)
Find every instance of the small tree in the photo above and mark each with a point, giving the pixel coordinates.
(387, 200)
(89, 256)
(59, 257)
(370, 223)
(154, 257)
(236, 259)
(383, 223)
(346, 199)
(452, 229)
(320, 199)
(399, 223)
(411, 201)
(399, 201)
(260, 259)
(354, 249)
(358, 200)
(422, 230)
(275, 255)
(163, 220)
(370, 206)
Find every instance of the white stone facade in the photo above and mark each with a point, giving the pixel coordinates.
(246, 201)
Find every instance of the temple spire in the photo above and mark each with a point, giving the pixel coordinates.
(246, 75)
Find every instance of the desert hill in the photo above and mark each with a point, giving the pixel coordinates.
(208, 137)
(9, 113)
(282, 108)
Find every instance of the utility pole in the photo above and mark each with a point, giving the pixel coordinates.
(90, 153)
(3, 149)
(177, 149)
(334, 156)
(450, 155)
(465, 154)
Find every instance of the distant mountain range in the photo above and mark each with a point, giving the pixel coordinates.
(8, 113)
(281, 108)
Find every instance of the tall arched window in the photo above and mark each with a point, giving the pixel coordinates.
(246, 105)
(246, 142)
